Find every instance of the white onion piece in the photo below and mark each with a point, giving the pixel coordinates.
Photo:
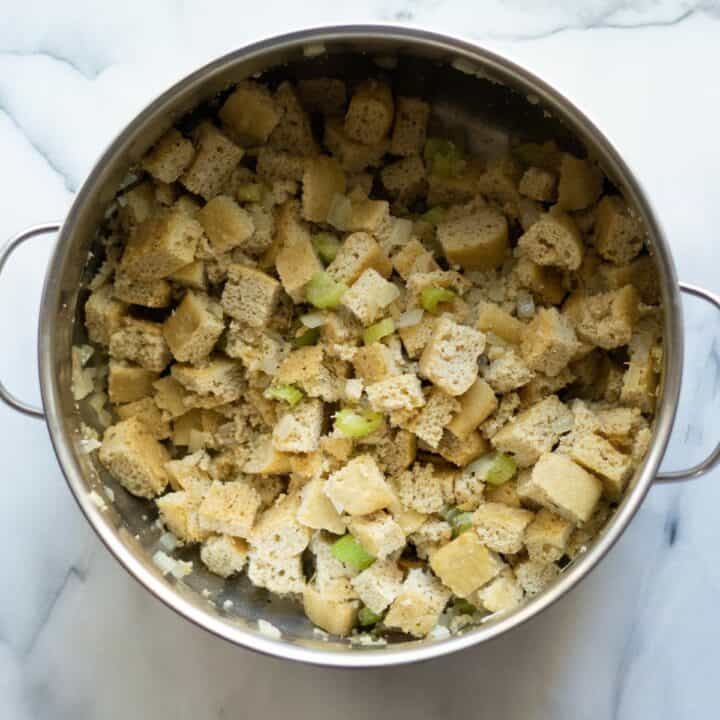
(525, 305)
(400, 233)
(340, 212)
(313, 320)
(409, 318)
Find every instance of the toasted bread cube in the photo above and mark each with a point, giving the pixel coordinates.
(416, 337)
(501, 594)
(224, 555)
(606, 320)
(596, 454)
(281, 575)
(375, 362)
(379, 585)
(413, 258)
(640, 273)
(322, 179)
(266, 460)
(545, 282)
(410, 131)
(369, 295)
(478, 241)
(194, 327)
(136, 205)
(508, 372)
(541, 386)
(298, 430)
(450, 357)
(417, 607)
(339, 448)
(404, 180)
(620, 424)
(580, 183)
(250, 295)
(500, 527)
(420, 489)
(134, 458)
(304, 367)
(103, 315)
(170, 396)
(191, 472)
(458, 188)
(505, 494)
(370, 114)
(127, 383)
(359, 488)
(534, 431)
(553, 240)
(353, 156)
(462, 451)
(533, 577)
(250, 112)
(639, 383)
(465, 564)
(149, 415)
(324, 95)
(275, 165)
(179, 513)
(562, 486)
(217, 376)
(492, 318)
(229, 508)
(547, 537)
(226, 224)
(277, 532)
(378, 533)
(336, 617)
(538, 184)
(316, 511)
(359, 252)
(507, 408)
(396, 451)
(619, 234)
(434, 417)
(168, 159)
(215, 158)
(191, 276)
(398, 392)
(161, 245)
(549, 342)
(293, 133)
(148, 293)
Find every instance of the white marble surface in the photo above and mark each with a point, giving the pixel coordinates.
(78, 639)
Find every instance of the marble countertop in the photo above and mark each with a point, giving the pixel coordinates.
(79, 639)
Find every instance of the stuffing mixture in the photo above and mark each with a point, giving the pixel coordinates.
(342, 356)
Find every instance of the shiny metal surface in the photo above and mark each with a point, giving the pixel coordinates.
(486, 94)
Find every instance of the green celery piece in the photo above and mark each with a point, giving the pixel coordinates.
(448, 166)
(367, 617)
(378, 331)
(353, 424)
(249, 192)
(443, 157)
(434, 216)
(350, 552)
(323, 292)
(431, 297)
(286, 393)
(463, 607)
(495, 468)
(460, 523)
(309, 337)
(326, 246)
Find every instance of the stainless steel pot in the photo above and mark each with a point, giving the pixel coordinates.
(470, 87)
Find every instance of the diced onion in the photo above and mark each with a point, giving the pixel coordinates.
(268, 629)
(400, 233)
(410, 318)
(313, 320)
(525, 305)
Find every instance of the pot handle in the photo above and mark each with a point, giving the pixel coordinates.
(5, 395)
(713, 458)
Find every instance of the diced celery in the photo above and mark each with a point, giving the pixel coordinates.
(431, 297)
(309, 337)
(367, 617)
(353, 424)
(326, 246)
(378, 331)
(285, 393)
(460, 523)
(463, 607)
(323, 292)
(434, 216)
(495, 468)
(443, 157)
(350, 552)
(249, 192)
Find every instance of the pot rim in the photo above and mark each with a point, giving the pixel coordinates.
(141, 569)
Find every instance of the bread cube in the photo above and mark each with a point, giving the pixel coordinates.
(293, 132)
(266, 460)
(492, 318)
(396, 451)
(553, 240)
(538, 184)
(509, 404)
(378, 533)
(462, 451)
(316, 511)
(404, 179)
(226, 224)
(359, 488)
(410, 131)
(191, 276)
(544, 282)
(508, 372)
(434, 417)
(127, 382)
(168, 159)
(304, 367)
(501, 594)
(596, 454)
(353, 156)
(413, 258)
(336, 617)
(562, 486)
(169, 396)
(275, 165)
(298, 430)
(417, 607)
(375, 362)
(397, 392)
(277, 532)
(250, 113)
(547, 537)
(370, 114)
(369, 295)
(465, 564)
(420, 489)
(148, 293)
(379, 585)
(359, 252)
(229, 508)
(619, 234)
(149, 415)
(103, 315)
(606, 320)
(416, 337)
(323, 94)
(580, 183)
(640, 273)
(194, 327)
(161, 245)
(534, 431)
(134, 458)
(250, 295)
(215, 158)
(449, 359)
(477, 241)
(459, 188)
(533, 576)
(179, 513)
(322, 179)
(136, 205)
(224, 555)
(541, 386)
(192, 472)
(281, 575)
(217, 376)
(500, 527)
(549, 342)
(505, 494)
